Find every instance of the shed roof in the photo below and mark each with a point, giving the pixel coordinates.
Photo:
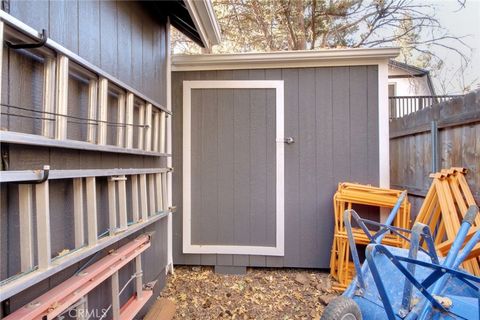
(283, 59)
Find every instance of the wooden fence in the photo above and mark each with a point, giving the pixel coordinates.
(442, 136)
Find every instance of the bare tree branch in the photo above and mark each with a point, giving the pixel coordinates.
(269, 25)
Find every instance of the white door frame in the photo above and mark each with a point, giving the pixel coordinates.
(188, 247)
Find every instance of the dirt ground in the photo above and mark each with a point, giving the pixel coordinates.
(262, 293)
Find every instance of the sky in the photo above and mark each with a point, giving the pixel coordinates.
(459, 22)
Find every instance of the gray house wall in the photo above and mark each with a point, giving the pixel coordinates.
(332, 112)
(124, 40)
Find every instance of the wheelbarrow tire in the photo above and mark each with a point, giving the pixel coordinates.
(342, 308)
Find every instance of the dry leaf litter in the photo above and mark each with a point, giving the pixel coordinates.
(262, 293)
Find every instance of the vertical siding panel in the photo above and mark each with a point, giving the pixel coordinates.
(137, 57)
(5, 221)
(66, 160)
(177, 150)
(97, 299)
(124, 38)
(102, 205)
(209, 165)
(30, 295)
(33, 13)
(307, 209)
(292, 218)
(193, 259)
(358, 124)
(197, 127)
(77, 106)
(341, 124)
(21, 157)
(160, 62)
(65, 275)
(225, 168)
(258, 167)
(25, 75)
(241, 168)
(326, 184)
(12, 262)
(89, 31)
(64, 23)
(108, 36)
(271, 74)
(372, 125)
(109, 160)
(153, 264)
(5, 86)
(147, 55)
(61, 230)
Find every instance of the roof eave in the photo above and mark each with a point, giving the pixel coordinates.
(285, 59)
(205, 21)
(413, 70)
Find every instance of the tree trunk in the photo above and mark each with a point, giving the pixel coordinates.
(301, 39)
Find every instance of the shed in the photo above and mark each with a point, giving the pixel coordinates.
(260, 141)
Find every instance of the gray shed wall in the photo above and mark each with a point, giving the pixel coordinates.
(124, 40)
(332, 112)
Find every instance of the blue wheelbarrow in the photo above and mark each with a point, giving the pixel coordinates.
(414, 283)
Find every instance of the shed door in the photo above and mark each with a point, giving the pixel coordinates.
(233, 167)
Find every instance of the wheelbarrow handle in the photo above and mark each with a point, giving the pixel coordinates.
(461, 235)
(466, 250)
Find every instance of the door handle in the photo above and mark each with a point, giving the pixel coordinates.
(289, 140)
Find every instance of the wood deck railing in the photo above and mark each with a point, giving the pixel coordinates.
(401, 106)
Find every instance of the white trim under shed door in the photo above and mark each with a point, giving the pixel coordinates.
(188, 247)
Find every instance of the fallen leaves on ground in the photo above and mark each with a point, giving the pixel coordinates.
(262, 293)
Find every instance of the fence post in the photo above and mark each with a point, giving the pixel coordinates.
(434, 139)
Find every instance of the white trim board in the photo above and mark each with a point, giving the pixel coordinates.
(169, 267)
(383, 127)
(383, 133)
(188, 247)
(204, 18)
(284, 59)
